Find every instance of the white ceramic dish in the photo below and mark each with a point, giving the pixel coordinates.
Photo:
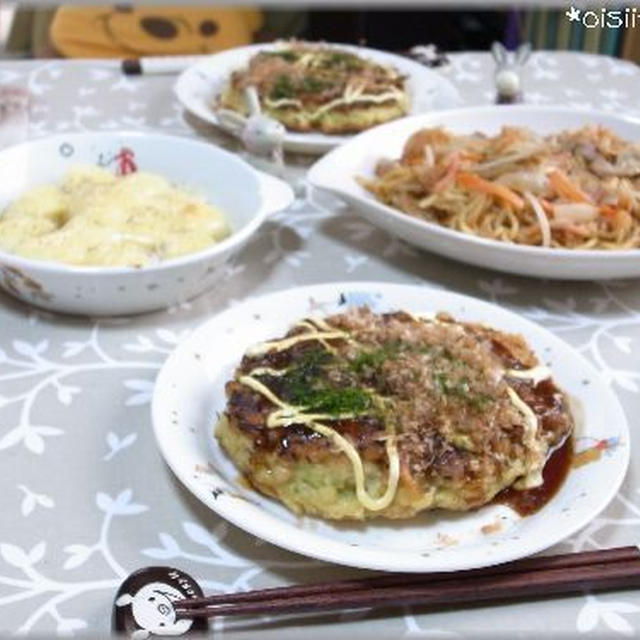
(336, 173)
(198, 86)
(244, 195)
(189, 394)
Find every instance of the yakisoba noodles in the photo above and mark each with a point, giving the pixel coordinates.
(574, 189)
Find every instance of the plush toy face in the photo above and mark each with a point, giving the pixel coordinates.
(150, 30)
(144, 29)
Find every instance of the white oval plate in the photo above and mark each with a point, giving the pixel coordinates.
(336, 173)
(189, 394)
(198, 86)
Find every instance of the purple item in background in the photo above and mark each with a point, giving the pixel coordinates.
(512, 30)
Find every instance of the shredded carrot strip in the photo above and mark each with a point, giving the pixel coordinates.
(473, 156)
(448, 176)
(624, 201)
(565, 188)
(608, 212)
(572, 228)
(409, 481)
(476, 183)
(547, 206)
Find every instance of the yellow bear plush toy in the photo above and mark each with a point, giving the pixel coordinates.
(126, 31)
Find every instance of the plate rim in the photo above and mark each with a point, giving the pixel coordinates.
(314, 141)
(334, 551)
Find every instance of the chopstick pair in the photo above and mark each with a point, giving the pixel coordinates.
(531, 578)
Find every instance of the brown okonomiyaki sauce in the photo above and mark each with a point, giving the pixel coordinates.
(555, 471)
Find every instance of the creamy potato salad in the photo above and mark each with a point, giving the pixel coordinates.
(94, 218)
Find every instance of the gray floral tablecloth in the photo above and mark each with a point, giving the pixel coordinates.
(86, 498)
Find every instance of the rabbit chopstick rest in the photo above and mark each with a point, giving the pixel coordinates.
(508, 79)
(261, 135)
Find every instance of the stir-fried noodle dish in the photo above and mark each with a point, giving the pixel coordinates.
(573, 189)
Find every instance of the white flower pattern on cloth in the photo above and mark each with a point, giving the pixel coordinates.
(88, 498)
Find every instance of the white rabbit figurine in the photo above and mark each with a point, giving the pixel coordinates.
(508, 69)
(261, 135)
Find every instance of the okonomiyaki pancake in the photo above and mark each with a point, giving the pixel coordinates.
(361, 415)
(314, 87)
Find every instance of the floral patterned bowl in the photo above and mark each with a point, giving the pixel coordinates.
(244, 195)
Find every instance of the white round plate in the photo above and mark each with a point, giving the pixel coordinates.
(198, 86)
(336, 172)
(189, 395)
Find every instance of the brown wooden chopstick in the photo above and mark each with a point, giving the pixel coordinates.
(619, 554)
(472, 590)
(568, 573)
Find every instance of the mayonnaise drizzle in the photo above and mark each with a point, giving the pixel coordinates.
(317, 323)
(352, 94)
(534, 476)
(283, 102)
(286, 343)
(288, 414)
(535, 374)
(268, 371)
